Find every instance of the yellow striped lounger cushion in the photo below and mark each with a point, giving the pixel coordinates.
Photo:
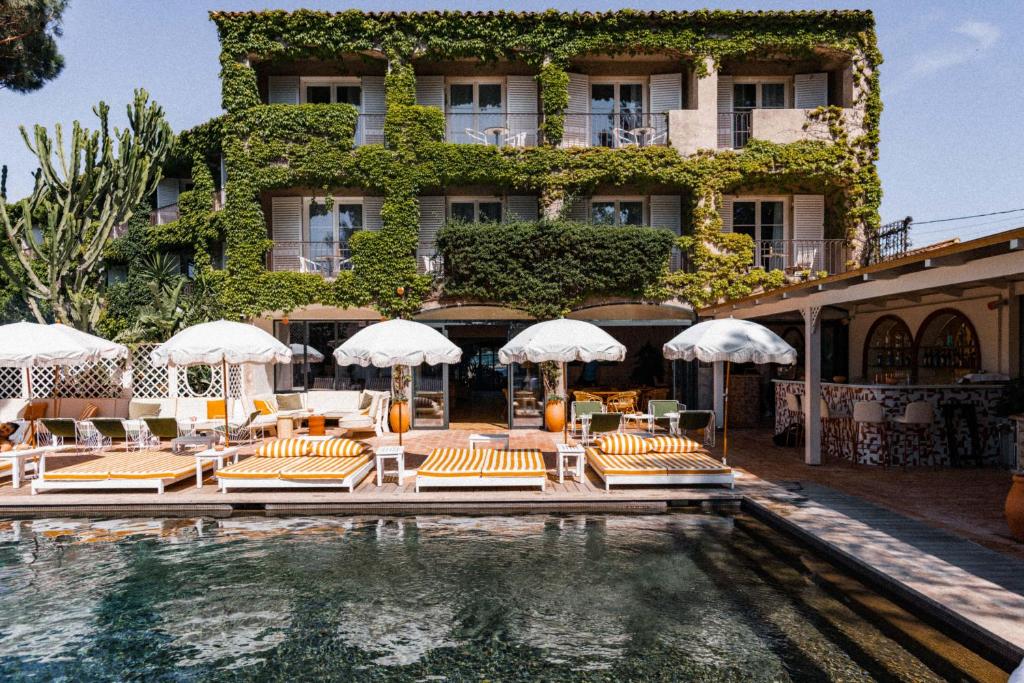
(256, 467)
(5, 465)
(521, 463)
(319, 467)
(654, 463)
(285, 448)
(622, 444)
(129, 465)
(673, 444)
(339, 448)
(453, 462)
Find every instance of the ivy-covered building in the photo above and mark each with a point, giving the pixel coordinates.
(478, 171)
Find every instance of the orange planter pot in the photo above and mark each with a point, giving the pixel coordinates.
(399, 424)
(1015, 507)
(554, 416)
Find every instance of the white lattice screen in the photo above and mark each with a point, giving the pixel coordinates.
(136, 378)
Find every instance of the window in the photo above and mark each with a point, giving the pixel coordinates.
(615, 106)
(764, 220)
(333, 91)
(747, 96)
(329, 229)
(617, 211)
(473, 107)
(475, 210)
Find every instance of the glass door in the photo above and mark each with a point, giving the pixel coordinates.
(475, 113)
(615, 108)
(525, 396)
(430, 395)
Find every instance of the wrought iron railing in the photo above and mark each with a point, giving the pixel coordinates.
(624, 129)
(795, 256)
(892, 241)
(493, 128)
(734, 128)
(324, 258)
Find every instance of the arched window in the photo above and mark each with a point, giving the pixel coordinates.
(888, 353)
(946, 347)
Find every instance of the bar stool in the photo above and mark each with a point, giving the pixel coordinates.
(868, 415)
(917, 419)
(795, 426)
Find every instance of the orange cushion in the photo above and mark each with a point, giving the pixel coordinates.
(263, 407)
(90, 411)
(215, 410)
(285, 448)
(338, 448)
(623, 444)
(673, 444)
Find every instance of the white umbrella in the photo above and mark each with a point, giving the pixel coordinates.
(306, 353)
(397, 343)
(223, 343)
(729, 340)
(28, 345)
(562, 341)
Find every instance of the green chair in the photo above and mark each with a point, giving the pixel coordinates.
(111, 429)
(580, 408)
(693, 420)
(601, 423)
(656, 411)
(59, 429)
(162, 428)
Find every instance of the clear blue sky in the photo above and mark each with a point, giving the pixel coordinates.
(952, 84)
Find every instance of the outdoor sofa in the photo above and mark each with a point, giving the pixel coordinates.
(301, 463)
(149, 469)
(629, 459)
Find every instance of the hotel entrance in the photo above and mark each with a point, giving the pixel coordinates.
(478, 385)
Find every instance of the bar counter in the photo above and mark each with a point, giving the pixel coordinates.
(966, 429)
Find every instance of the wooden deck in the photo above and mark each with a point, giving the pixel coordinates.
(976, 591)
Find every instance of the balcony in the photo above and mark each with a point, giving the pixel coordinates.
(492, 128)
(796, 256)
(736, 128)
(322, 258)
(616, 130)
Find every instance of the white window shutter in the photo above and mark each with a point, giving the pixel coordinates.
(666, 92)
(521, 207)
(166, 192)
(808, 231)
(810, 91)
(725, 138)
(523, 107)
(286, 230)
(371, 123)
(371, 213)
(579, 210)
(283, 90)
(576, 132)
(431, 220)
(725, 212)
(430, 91)
(667, 213)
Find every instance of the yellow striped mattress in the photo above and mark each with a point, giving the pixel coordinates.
(301, 467)
(454, 462)
(522, 463)
(129, 465)
(647, 464)
(5, 466)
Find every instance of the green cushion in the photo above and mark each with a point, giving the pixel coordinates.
(138, 410)
(289, 402)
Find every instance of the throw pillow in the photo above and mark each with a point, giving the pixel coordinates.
(263, 407)
(622, 444)
(215, 410)
(339, 448)
(285, 448)
(672, 444)
(138, 410)
(288, 402)
(365, 400)
(90, 411)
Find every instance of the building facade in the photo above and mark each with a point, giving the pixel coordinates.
(320, 201)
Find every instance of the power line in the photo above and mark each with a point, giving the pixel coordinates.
(961, 218)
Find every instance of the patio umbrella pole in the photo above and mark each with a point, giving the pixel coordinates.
(565, 406)
(224, 378)
(32, 425)
(725, 418)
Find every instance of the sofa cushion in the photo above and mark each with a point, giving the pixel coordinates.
(338, 448)
(365, 400)
(285, 448)
(11, 408)
(216, 409)
(622, 444)
(263, 407)
(288, 402)
(333, 403)
(140, 409)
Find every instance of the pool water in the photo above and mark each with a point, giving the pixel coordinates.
(687, 597)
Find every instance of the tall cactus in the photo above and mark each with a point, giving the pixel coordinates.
(80, 196)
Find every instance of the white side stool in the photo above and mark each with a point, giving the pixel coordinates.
(486, 441)
(565, 451)
(396, 453)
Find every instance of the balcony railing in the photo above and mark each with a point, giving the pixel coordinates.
(493, 128)
(734, 128)
(795, 256)
(615, 130)
(323, 258)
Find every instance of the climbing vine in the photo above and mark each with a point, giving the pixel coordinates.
(270, 148)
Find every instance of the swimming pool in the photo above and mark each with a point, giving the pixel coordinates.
(548, 597)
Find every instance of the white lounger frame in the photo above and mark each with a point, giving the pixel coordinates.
(350, 482)
(42, 483)
(423, 480)
(726, 479)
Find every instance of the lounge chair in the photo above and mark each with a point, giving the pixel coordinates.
(579, 408)
(244, 432)
(57, 430)
(698, 420)
(602, 423)
(656, 411)
(298, 463)
(659, 461)
(128, 470)
(484, 468)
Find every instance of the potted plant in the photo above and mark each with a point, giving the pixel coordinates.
(400, 415)
(554, 402)
(1012, 406)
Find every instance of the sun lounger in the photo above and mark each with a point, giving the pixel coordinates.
(129, 470)
(658, 469)
(462, 467)
(295, 463)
